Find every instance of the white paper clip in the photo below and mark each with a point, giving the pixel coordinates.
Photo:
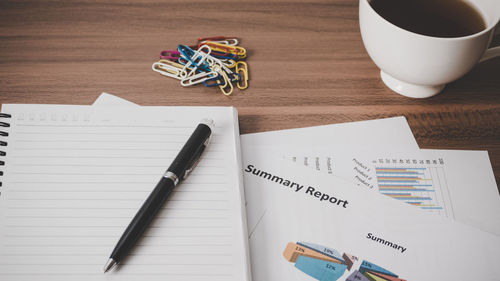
(198, 78)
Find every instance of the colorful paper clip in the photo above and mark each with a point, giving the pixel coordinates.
(170, 55)
(232, 41)
(242, 70)
(212, 82)
(198, 60)
(237, 51)
(215, 61)
(198, 78)
(168, 68)
(227, 83)
(193, 58)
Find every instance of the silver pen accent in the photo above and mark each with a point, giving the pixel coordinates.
(172, 176)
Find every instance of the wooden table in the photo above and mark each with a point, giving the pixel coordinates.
(307, 63)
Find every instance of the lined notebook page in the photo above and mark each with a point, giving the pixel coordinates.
(76, 175)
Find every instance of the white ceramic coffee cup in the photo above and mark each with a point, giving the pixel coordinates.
(419, 66)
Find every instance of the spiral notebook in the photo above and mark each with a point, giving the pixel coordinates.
(74, 176)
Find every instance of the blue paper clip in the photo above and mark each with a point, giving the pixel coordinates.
(212, 82)
(187, 54)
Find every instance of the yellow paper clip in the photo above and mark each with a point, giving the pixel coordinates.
(226, 84)
(237, 51)
(242, 52)
(243, 72)
(219, 39)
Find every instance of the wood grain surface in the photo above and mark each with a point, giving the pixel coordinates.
(307, 65)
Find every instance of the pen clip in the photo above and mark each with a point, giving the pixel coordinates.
(196, 159)
(197, 156)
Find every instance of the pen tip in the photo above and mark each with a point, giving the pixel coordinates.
(110, 265)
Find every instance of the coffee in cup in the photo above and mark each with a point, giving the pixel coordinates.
(421, 45)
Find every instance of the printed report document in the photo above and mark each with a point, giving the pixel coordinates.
(310, 226)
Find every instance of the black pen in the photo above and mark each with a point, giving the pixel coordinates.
(182, 165)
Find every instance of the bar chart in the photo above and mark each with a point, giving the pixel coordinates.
(418, 182)
(421, 183)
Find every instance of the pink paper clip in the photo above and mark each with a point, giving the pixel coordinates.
(170, 55)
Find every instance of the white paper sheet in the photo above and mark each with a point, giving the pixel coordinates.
(415, 246)
(76, 175)
(388, 134)
(106, 99)
(457, 184)
(392, 134)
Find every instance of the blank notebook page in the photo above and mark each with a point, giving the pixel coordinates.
(74, 177)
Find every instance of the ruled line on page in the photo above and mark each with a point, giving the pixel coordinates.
(98, 255)
(113, 236)
(109, 208)
(100, 182)
(108, 157)
(104, 165)
(104, 174)
(105, 149)
(73, 125)
(37, 189)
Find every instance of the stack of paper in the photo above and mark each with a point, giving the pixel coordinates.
(355, 201)
(437, 206)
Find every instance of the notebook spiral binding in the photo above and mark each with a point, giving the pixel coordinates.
(3, 134)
